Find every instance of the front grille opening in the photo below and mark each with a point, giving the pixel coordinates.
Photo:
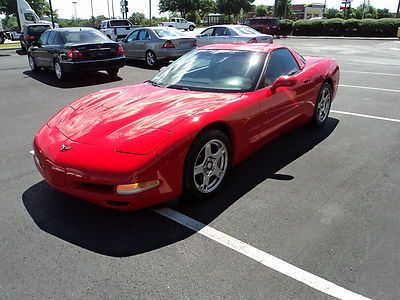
(117, 203)
(94, 187)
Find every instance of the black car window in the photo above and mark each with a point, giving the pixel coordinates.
(144, 35)
(29, 17)
(221, 31)
(52, 36)
(37, 29)
(84, 36)
(207, 32)
(133, 36)
(43, 39)
(281, 62)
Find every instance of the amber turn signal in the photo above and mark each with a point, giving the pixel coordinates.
(134, 188)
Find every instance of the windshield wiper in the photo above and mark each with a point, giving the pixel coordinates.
(177, 87)
(153, 83)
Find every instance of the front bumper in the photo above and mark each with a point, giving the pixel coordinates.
(93, 65)
(92, 173)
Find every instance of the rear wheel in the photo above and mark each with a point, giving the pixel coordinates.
(113, 72)
(2, 39)
(23, 47)
(151, 59)
(323, 105)
(32, 63)
(60, 74)
(206, 164)
(191, 27)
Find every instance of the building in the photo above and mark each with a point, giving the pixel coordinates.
(307, 11)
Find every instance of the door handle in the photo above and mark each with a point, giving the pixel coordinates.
(307, 81)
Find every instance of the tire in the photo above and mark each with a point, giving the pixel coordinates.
(113, 72)
(23, 47)
(150, 59)
(60, 74)
(191, 27)
(32, 63)
(2, 39)
(206, 165)
(322, 105)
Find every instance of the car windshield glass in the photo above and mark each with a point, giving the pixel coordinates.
(213, 70)
(84, 36)
(246, 30)
(167, 32)
(119, 23)
(38, 29)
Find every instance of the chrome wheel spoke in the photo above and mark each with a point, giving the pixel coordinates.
(198, 169)
(206, 181)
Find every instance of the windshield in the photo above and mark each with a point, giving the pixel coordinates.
(213, 70)
(246, 30)
(84, 36)
(163, 32)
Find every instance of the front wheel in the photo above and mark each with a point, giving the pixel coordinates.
(206, 165)
(113, 72)
(323, 105)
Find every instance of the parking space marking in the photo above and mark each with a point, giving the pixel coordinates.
(372, 73)
(369, 88)
(365, 116)
(262, 257)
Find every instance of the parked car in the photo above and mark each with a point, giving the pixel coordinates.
(179, 23)
(264, 25)
(132, 147)
(154, 44)
(116, 30)
(15, 36)
(221, 34)
(31, 33)
(76, 49)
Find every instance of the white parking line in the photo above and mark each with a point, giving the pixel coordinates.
(372, 73)
(365, 116)
(264, 258)
(369, 88)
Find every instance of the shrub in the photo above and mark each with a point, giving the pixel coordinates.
(333, 27)
(285, 27)
(351, 27)
(387, 27)
(368, 27)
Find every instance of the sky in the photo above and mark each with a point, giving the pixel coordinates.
(66, 7)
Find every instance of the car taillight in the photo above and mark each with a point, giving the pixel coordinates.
(253, 40)
(29, 37)
(120, 50)
(168, 45)
(74, 53)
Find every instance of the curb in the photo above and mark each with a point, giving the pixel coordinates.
(343, 38)
(15, 48)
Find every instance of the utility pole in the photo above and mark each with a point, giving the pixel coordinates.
(112, 6)
(108, 7)
(91, 4)
(150, 9)
(74, 3)
(364, 10)
(398, 10)
(51, 13)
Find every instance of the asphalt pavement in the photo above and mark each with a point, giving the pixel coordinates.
(326, 201)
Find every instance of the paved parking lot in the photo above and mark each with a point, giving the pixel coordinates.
(313, 214)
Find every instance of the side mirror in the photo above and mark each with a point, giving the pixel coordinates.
(283, 81)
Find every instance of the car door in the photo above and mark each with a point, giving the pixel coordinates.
(281, 106)
(205, 38)
(48, 50)
(129, 44)
(141, 44)
(39, 50)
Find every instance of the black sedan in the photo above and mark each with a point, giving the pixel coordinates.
(67, 50)
(30, 33)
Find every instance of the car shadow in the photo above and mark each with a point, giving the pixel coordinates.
(72, 80)
(142, 65)
(119, 234)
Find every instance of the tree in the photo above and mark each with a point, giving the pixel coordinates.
(283, 8)
(383, 13)
(206, 7)
(181, 6)
(331, 13)
(233, 7)
(261, 10)
(137, 18)
(9, 7)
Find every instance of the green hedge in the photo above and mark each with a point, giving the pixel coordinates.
(285, 27)
(352, 27)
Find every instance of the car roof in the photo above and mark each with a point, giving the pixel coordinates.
(37, 24)
(75, 29)
(256, 47)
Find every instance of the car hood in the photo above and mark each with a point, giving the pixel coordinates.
(112, 117)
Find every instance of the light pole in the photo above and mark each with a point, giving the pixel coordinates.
(398, 10)
(91, 4)
(363, 10)
(112, 6)
(108, 7)
(51, 13)
(150, 9)
(74, 3)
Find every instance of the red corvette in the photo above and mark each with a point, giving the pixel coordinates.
(132, 147)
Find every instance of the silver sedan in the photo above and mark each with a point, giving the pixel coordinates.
(221, 34)
(156, 43)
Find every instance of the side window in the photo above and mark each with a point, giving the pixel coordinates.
(172, 20)
(144, 35)
(133, 36)
(281, 62)
(58, 40)
(29, 17)
(44, 37)
(207, 32)
(51, 38)
(221, 31)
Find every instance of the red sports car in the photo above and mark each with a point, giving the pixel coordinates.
(132, 147)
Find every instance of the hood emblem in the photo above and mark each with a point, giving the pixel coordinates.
(65, 147)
